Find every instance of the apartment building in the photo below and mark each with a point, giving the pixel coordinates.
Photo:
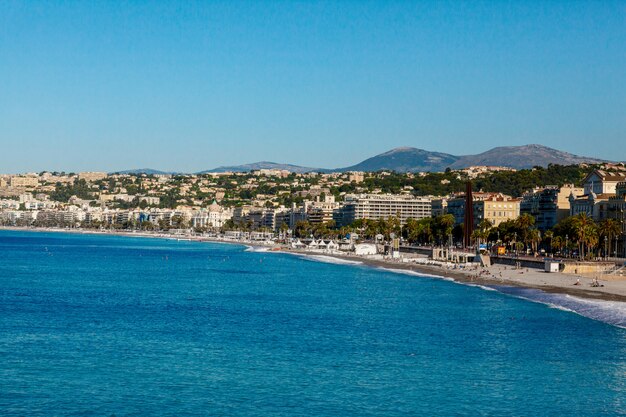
(494, 207)
(599, 186)
(439, 206)
(321, 211)
(24, 181)
(549, 205)
(616, 209)
(383, 206)
(92, 176)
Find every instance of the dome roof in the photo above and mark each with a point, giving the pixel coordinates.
(215, 207)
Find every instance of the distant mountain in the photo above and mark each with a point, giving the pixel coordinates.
(147, 171)
(405, 160)
(408, 159)
(263, 165)
(520, 157)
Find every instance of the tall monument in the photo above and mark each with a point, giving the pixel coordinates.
(468, 222)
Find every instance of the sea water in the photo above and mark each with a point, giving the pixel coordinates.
(108, 325)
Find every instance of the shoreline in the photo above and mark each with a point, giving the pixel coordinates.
(496, 275)
(466, 277)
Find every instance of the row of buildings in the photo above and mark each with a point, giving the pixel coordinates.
(214, 216)
(353, 207)
(602, 196)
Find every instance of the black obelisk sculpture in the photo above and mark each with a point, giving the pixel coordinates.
(469, 215)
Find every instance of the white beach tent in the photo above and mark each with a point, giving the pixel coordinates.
(332, 245)
(297, 244)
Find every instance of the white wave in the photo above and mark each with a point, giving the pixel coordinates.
(421, 274)
(414, 273)
(558, 307)
(482, 287)
(256, 249)
(328, 259)
(610, 312)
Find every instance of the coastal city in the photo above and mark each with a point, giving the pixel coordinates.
(312, 208)
(584, 218)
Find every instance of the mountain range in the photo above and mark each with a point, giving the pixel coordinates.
(262, 165)
(147, 171)
(518, 157)
(407, 159)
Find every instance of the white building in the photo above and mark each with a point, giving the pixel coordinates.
(214, 216)
(599, 187)
(383, 206)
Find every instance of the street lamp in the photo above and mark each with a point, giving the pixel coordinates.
(606, 254)
(567, 245)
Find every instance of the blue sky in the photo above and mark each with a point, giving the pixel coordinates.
(110, 85)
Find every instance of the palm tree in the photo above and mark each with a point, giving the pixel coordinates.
(425, 230)
(303, 228)
(345, 230)
(371, 229)
(585, 230)
(389, 226)
(482, 231)
(485, 225)
(548, 236)
(444, 224)
(524, 223)
(411, 230)
(607, 229)
(535, 237)
(557, 243)
(479, 236)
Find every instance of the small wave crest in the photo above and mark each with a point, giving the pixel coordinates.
(611, 312)
(482, 287)
(256, 249)
(329, 259)
(415, 273)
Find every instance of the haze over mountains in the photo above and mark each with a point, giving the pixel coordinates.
(263, 165)
(518, 157)
(407, 159)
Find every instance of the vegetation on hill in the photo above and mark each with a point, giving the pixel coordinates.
(516, 183)
(79, 188)
(513, 183)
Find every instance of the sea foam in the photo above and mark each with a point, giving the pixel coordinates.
(610, 312)
(256, 249)
(327, 259)
(415, 273)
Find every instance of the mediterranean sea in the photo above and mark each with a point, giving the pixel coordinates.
(97, 325)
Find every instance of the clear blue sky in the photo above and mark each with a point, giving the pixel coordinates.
(110, 85)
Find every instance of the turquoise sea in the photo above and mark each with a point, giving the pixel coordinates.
(104, 325)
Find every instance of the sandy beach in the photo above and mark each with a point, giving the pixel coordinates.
(612, 289)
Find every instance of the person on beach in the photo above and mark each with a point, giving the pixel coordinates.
(577, 282)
